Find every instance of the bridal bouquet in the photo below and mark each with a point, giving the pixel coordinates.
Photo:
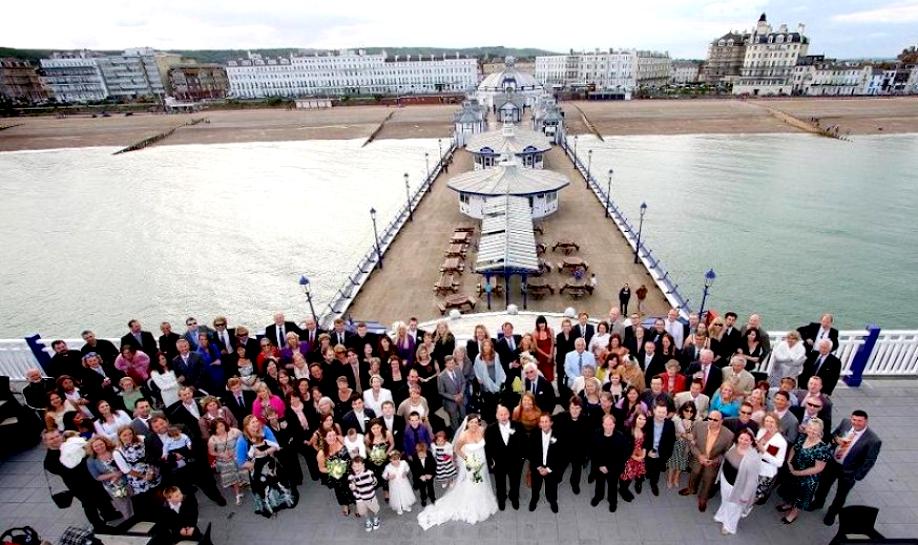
(378, 454)
(474, 465)
(336, 468)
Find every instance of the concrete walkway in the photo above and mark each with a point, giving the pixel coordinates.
(404, 287)
(671, 519)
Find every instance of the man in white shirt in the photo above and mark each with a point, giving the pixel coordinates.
(674, 327)
(857, 450)
(504, 444)
(695, 395)
(575, 360)
(546, 462)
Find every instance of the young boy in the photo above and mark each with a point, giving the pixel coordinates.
(179, 516)
(424, 469)
(363, 487)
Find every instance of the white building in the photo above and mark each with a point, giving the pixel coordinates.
(468, 121)
(507, 81)
(510, 144)
(132, 74)
(75, 78)
(686, 72)
(620, 70)
(540, 187)
(349, 73)
(770, 58)
(548, 118)
(817, 76)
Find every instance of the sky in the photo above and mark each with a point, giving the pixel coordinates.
(837, 28)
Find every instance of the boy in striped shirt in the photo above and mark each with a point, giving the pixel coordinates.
(363, 486)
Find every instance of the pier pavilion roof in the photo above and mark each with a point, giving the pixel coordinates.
(508, 179)
(507, 242)
(509, 140)
(509, 78)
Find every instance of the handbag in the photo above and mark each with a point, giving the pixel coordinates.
(21, 536)
(62, 499)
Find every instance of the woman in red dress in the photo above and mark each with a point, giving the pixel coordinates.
(545, 347)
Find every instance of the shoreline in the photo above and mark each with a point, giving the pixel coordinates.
(859, 116)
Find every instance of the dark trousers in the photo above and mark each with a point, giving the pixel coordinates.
(623, 306)
(193, 475)
(607, 483)
(654, 466)
(95, 503)
(309, 454)
(551, 487)
(834, 472)
(426, 488)
(504, 473)
(577, 463)
(489, 403)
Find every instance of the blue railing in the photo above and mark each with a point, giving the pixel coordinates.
(356, 279)
(652, 263)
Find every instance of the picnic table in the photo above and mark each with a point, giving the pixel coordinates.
(538, 287)
(572, 264)
(464, 229)
(538, 229)
(566, 246)
(452, 265)
(465, 303)
(447, 283)
(544, 266)
(456, 250)
(461, 237)
(576, 289)
(540, 248)
(496, 287)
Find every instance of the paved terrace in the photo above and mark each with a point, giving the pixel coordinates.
(671, 519)
(404, 287)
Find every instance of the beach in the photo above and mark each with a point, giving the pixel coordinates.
(687, 116)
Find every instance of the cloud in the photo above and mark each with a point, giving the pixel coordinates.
(899, 12)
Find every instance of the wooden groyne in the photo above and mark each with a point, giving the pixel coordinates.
(4, 127)
(146, 142)
(378, 128)
(812, 126)
(589, 124)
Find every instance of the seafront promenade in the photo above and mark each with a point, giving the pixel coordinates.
(404, 286)
(668, 519)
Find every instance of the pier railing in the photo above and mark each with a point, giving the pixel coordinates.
(654, 266)
(355, 280)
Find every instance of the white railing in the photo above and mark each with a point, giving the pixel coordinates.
(16, 356)
(896, 354)
(848, 343)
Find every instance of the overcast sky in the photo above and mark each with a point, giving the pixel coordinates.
(838, 28)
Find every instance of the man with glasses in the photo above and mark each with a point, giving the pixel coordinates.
(250, 343)
(742, 422)
(811, 408)
(712, 441)
(191, 334)
(534, 382)
(167, 341)
(226, 336)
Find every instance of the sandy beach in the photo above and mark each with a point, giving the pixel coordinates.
(857, 115)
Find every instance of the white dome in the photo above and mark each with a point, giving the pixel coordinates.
(509, 77)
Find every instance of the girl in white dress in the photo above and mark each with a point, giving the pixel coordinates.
(401, 493)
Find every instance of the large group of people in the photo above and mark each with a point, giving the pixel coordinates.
(136, 430)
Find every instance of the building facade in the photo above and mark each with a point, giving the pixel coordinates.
(815, 75)
(725, 57)
(618, 70)
(131, 75)
(198, 82)
(770, 58)
(686, 72)
(73, 78)
(20, 82)
(349, 73)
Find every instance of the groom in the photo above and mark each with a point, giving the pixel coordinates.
(504, 446)
(546, 463)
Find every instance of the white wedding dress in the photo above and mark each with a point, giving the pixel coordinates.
(467, 501)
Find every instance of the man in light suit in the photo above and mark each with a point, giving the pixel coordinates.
(696, 396)
(814, 332)
(855, 454)
(575, 360)
(712, 441)
(710, 375)
(674, 327)
(277, 332)
(451, 386)
(822, 364)
(536, 384)
(546, 463)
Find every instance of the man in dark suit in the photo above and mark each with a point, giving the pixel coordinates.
(539, 386)
(168, 340)
(362, 338)
(584, 329)
(508, 348)
(193, 332)
(857, 450)
(473, 345)
(143, 413)
(188, 365)
(730, 339)
(238, 401)
(823, 364)
(658, 332)
(659, 440)
(358, 417)
(64, 361)
(814, 332)
(98, 382)
(179, 517)
(311, 333)
(812, 407)
(564, 343)
(103, 347)
(414, 332)
(710, 375)
(277, 332)
(340, 334)
(504, 446)
(651, 363)
(693, 351)
(176, 469)
(393, 422)
(140, 339)
(250, 343)
(356, 372)
(35, 392)
(224, 335)
(186, 413)
(609, 452)
(546, 463)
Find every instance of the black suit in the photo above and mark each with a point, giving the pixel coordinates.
(240, 412)
(222, 343)
(350, 420)
(554, 462)
(106, 350)
(823, 415)
(93, 498)
(544, 393)
(192, 372)
(299, 435)
(506, 461)
(167, 345)
(93, 388)
(729, 342)
(861, 457)
(197, 472)
(397, 428)
(652, 368)
(715, 378)
(509, 355)
(68, 363)
(576, 434)
(187, 517)
(347, 340)
(810, 331)
(612, 453)
(421, 469)
(829, 371)
(356, 342)
(657, 465)
(563, 345)
(147, 343)
(586, 333)
(312, 337)
(271, 333)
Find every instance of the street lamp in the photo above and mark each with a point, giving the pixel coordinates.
(708, 280)
(427, 162)
(575, 148)
(376, 236)
(408, 197)
(305, 283)
(609, 193)
(637, 246)
(589, 167)
(440, 147)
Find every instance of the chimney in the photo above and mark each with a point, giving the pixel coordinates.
(801, 28)
(782, 28)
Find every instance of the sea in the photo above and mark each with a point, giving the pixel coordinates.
(793, 225)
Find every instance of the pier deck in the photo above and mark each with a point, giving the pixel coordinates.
(404, 287)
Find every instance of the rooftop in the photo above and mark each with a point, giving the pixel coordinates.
(509, 140)
(508, 179)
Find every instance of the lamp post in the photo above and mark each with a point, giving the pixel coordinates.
(709, 278)
(575, 147)
(376, 236)
(427, 162)
(609, 193)
(637, 247)
(408, 198)
(440, 147)
(589, 167)
(305, 283)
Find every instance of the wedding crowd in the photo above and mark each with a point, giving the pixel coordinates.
(135, 430)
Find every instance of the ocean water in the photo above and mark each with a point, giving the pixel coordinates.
(90, 240)
(793, 225)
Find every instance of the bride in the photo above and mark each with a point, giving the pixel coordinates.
(470, 499)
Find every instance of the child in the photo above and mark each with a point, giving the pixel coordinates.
(443, 452)
(179, 444)
(179, 517)
(424, 469)
(129, 393)
(363, 487)
(355, 444)
(401, 495)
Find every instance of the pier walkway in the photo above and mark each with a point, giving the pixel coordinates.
(404, 287)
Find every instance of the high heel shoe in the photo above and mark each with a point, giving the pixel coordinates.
(239, 499)
(786, 521)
